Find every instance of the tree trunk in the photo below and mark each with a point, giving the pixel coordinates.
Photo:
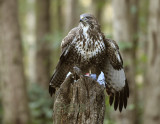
(79, 102)
(43, 47)
(71, 15)
(60, 16)
(13, 87)
(28, 33)
(152, 88)
(125, 26)
(96, 8)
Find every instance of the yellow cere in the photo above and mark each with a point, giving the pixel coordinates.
(81, 17)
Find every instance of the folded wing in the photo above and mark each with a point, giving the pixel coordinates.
(63, 66)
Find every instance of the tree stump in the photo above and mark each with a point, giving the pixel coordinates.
(79, 101)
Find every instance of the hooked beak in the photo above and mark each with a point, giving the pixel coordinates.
(81, 20)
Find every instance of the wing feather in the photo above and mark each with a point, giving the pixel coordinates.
(60, 73)
(63, 67)
(116, 83)
(69, 38)
(113, 54)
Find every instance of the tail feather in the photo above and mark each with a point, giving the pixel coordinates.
(58, 78)
(52, 90)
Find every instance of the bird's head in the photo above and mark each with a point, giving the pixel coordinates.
(88, 20)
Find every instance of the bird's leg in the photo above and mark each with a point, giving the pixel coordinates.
(90, 71)
(77, 72)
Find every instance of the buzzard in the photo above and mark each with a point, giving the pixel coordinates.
(86, 47)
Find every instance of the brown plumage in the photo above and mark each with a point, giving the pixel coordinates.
(86, 47)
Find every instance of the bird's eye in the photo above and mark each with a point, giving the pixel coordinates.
(88, 17)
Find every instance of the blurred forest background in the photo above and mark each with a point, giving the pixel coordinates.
(30, 35)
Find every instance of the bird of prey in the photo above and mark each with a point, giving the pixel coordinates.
(86, 47)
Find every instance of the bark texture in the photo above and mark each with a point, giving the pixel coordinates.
(72, 18)
(13, 87)
(125, 29)
(152, 88)
(79, 102)
(43, 47)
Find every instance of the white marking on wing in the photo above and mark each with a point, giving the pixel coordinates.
(118, 57)
(69, 73)
(66, 52)
(112, 44)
